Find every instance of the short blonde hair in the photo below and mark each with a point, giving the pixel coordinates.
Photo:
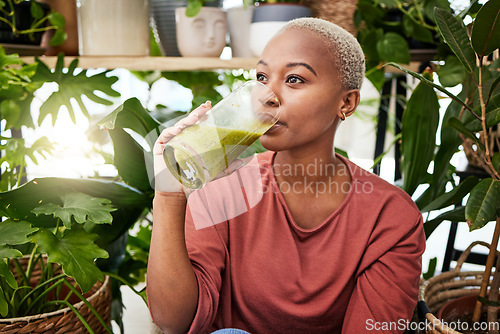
(349, 57)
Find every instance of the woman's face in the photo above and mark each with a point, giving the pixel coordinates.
(297, 66)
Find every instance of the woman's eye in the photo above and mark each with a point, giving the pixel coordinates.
(260, 77)
(294, 79)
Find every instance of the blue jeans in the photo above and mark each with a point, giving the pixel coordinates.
(230, 331)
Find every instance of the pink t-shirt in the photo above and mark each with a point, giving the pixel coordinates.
(259, 271)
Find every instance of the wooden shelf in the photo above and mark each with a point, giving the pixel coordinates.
(153, 63)
(170, 63)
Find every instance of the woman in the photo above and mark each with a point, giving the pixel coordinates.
(326, 248)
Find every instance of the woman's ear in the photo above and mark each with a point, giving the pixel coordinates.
(350, 102)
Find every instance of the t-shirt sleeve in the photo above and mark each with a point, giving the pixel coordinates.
(207, 251)
(387, 284)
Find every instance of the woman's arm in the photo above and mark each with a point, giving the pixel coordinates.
(171, 283)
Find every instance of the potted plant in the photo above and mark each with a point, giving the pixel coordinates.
(59, 225)
(164, 24)
(24, 22)
(239, 19)
(471, 121)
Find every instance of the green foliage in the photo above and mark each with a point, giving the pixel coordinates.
(470, 113)
(72, 86)
(40, 21)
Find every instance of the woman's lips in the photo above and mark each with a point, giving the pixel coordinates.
(275, 127)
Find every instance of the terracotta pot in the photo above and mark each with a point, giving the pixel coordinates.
(70, 46)
(203, 35)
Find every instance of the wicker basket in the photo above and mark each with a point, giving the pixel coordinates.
(65, 320)
(339, 12)
(438, 290)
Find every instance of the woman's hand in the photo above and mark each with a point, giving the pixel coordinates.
(164, 180)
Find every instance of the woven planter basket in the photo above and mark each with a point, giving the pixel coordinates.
(438, 290)
(339, 12)
(65, 320)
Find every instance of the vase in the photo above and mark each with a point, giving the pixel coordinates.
(239, 20)
(113, 27)
(268, 19)
(203, 35)
(164, 26)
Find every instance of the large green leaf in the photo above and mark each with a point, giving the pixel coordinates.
(450, 141)
(419, 125)
(459, 126)
(130, 202)
(455, 35)
(15, 232)
(456, 215)
(485, 35)
(454, 196)
(393, 47)
(483, 203)
(492, 119)
(129, 159)
(81, 207)
(451, 73)
(131, 115)
(76, 252)
(72, 86)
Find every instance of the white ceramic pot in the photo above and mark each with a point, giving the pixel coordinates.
(113, 27)
(203, 35)
(268, 19)
(239, 20)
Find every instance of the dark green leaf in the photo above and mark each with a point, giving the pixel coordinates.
(131, 115)
(377, 78)
(492, 119)
(460, 127)
(394, 48)
(75, 252)
(450, 141)
(495, 160)
(81, 207)
(451, 73)
(9, 253)
(455, 35)
(129, 159)
(453, 197)
(4, 306)
(57, 19)
(419, 125)
(485, 35)
(432, 269)
(36, 10)
(15, 232)
(11, 112)
(58, 38)
(482, 205)
(7, 274)
(456, 215)
(428, 82)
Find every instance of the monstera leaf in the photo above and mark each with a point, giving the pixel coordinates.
(71, 87)
(76, 252)
(81, 207)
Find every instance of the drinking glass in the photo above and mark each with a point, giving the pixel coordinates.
(203, 150)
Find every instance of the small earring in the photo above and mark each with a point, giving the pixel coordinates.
(343, 116)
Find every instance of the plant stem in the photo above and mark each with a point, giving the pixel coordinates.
(75, 311)
(85, 301)
(492, 169)
(487, 271)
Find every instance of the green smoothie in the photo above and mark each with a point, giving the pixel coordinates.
(199, 153)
